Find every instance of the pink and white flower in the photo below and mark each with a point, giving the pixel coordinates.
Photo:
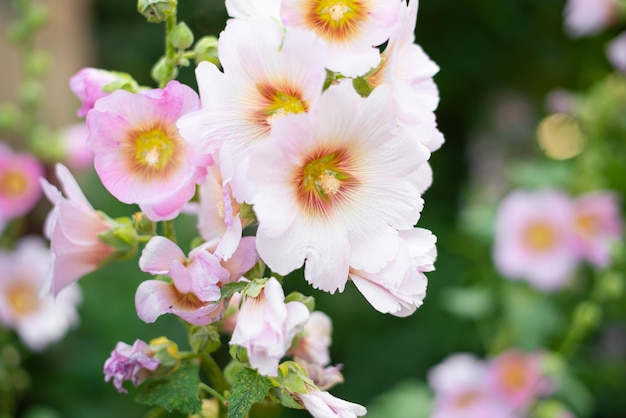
(39, 319)
(399, 288)
(533, 238)
(518, 378)
(73, 226)
(77, 155)
(327, 173)
(195, 291)
(322, 404)
(245, 9)
(266, 75)
(19, 183)
(139, 155)
(313, 345)
(589, 17)
(597, 225)
(134, 363)
(351, 29)
(266, 327)
(88, 86)
(616, 52)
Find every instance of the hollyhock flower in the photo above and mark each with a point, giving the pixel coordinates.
(134, 363)
(139, 155)
(72, 227)
(266, 327)
(351, 29)
(266, 76)
(533, 238)
(19, 182)
(321, 404)
(313, 345)
(597, 225)
(326, 174)
(88, 86)
(616, 52)
(323, 377)
(195, 288)
(218, 214)
(39, 320)
(243, 9)
(518, 378)
(459, 383)
(400, 287)
(588, 17)
(77, 154)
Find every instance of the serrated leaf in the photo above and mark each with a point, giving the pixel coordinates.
(249, 388)
(230, 289)
(178, 391)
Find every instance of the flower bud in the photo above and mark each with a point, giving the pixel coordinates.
(122, 237)
(157, 10)
(587, 314)
(9, 116)
(181, 37)
(165, 351)
(160, 72)
(204, 339)
(206, 50)
(143, 225)
(362, 86)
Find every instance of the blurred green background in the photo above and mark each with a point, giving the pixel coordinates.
(492, 54)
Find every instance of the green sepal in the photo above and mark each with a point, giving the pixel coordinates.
(179, 390)
(204, 339)
(361, 86)
(284, 398)
(181, 37)
(255, 287)
(292, 377)
(206, 50)
(256, 272)
(230, 289)
(238, 354)
(123, 81)
(308, 301)
(157, 10)
(122, 237)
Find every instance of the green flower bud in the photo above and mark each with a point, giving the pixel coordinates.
(36, 17)
(308, 301)
(362, 87)
(38, 63)
(166, 351)
(123, 238)
(204, 339)
(157, 10)
(206, 50)
(31, 93)
(9, 116)
(611, 285)
(587, 314)
(181, 37)
(159, 71)
(143, 225)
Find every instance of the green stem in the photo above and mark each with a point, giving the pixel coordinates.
(169, 230)
(213, 372)
(170, 52)
(213, 392)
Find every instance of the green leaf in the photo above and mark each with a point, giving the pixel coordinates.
(177, 391)
(408, 399)
(249, 388)
(230, 289)
(468, 302)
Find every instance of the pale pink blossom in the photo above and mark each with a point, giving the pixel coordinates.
(597, 226)
(322, 404)
(351, 29)
(267, 74)
(399, 288)
(134, 363)
(315, 341)
(518, 378)
(88, 86)
(19, 182)
(533, 238)
(72, 226)
(194, 291)
(616, 52)
(266, 327)
(76, 153)
(327, 173)
(243, 9)
(139, 155)
(39, 319)
(457, 371)
(323, 377)
(589, 17)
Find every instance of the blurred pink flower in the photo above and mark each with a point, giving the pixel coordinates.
(616, 52)
(77, 155)
(313, 345)
(352, 29)
(518, 379)
(589, 17)
(72, 227)
(19, 183)
(139, 155)
(87, 85)
(322, 404)
(326, 173)
(134, 363)
(534, 238)
(266, 326)
(597, 225)
(399, 288)
(39, 319)
(195, 289)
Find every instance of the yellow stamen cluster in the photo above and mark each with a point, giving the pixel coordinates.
(278, 101)
(12, 184)
(540, 237)
(336, 19)
(153, 152)
(23, 299)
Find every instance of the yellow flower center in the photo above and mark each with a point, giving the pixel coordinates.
(323, 179)
(587, 224)
(277, 101)
(153, 152)
(540, 237)
(514, 376)
(23, 299)
(13, 183)
(466, 399)
(336, 19)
